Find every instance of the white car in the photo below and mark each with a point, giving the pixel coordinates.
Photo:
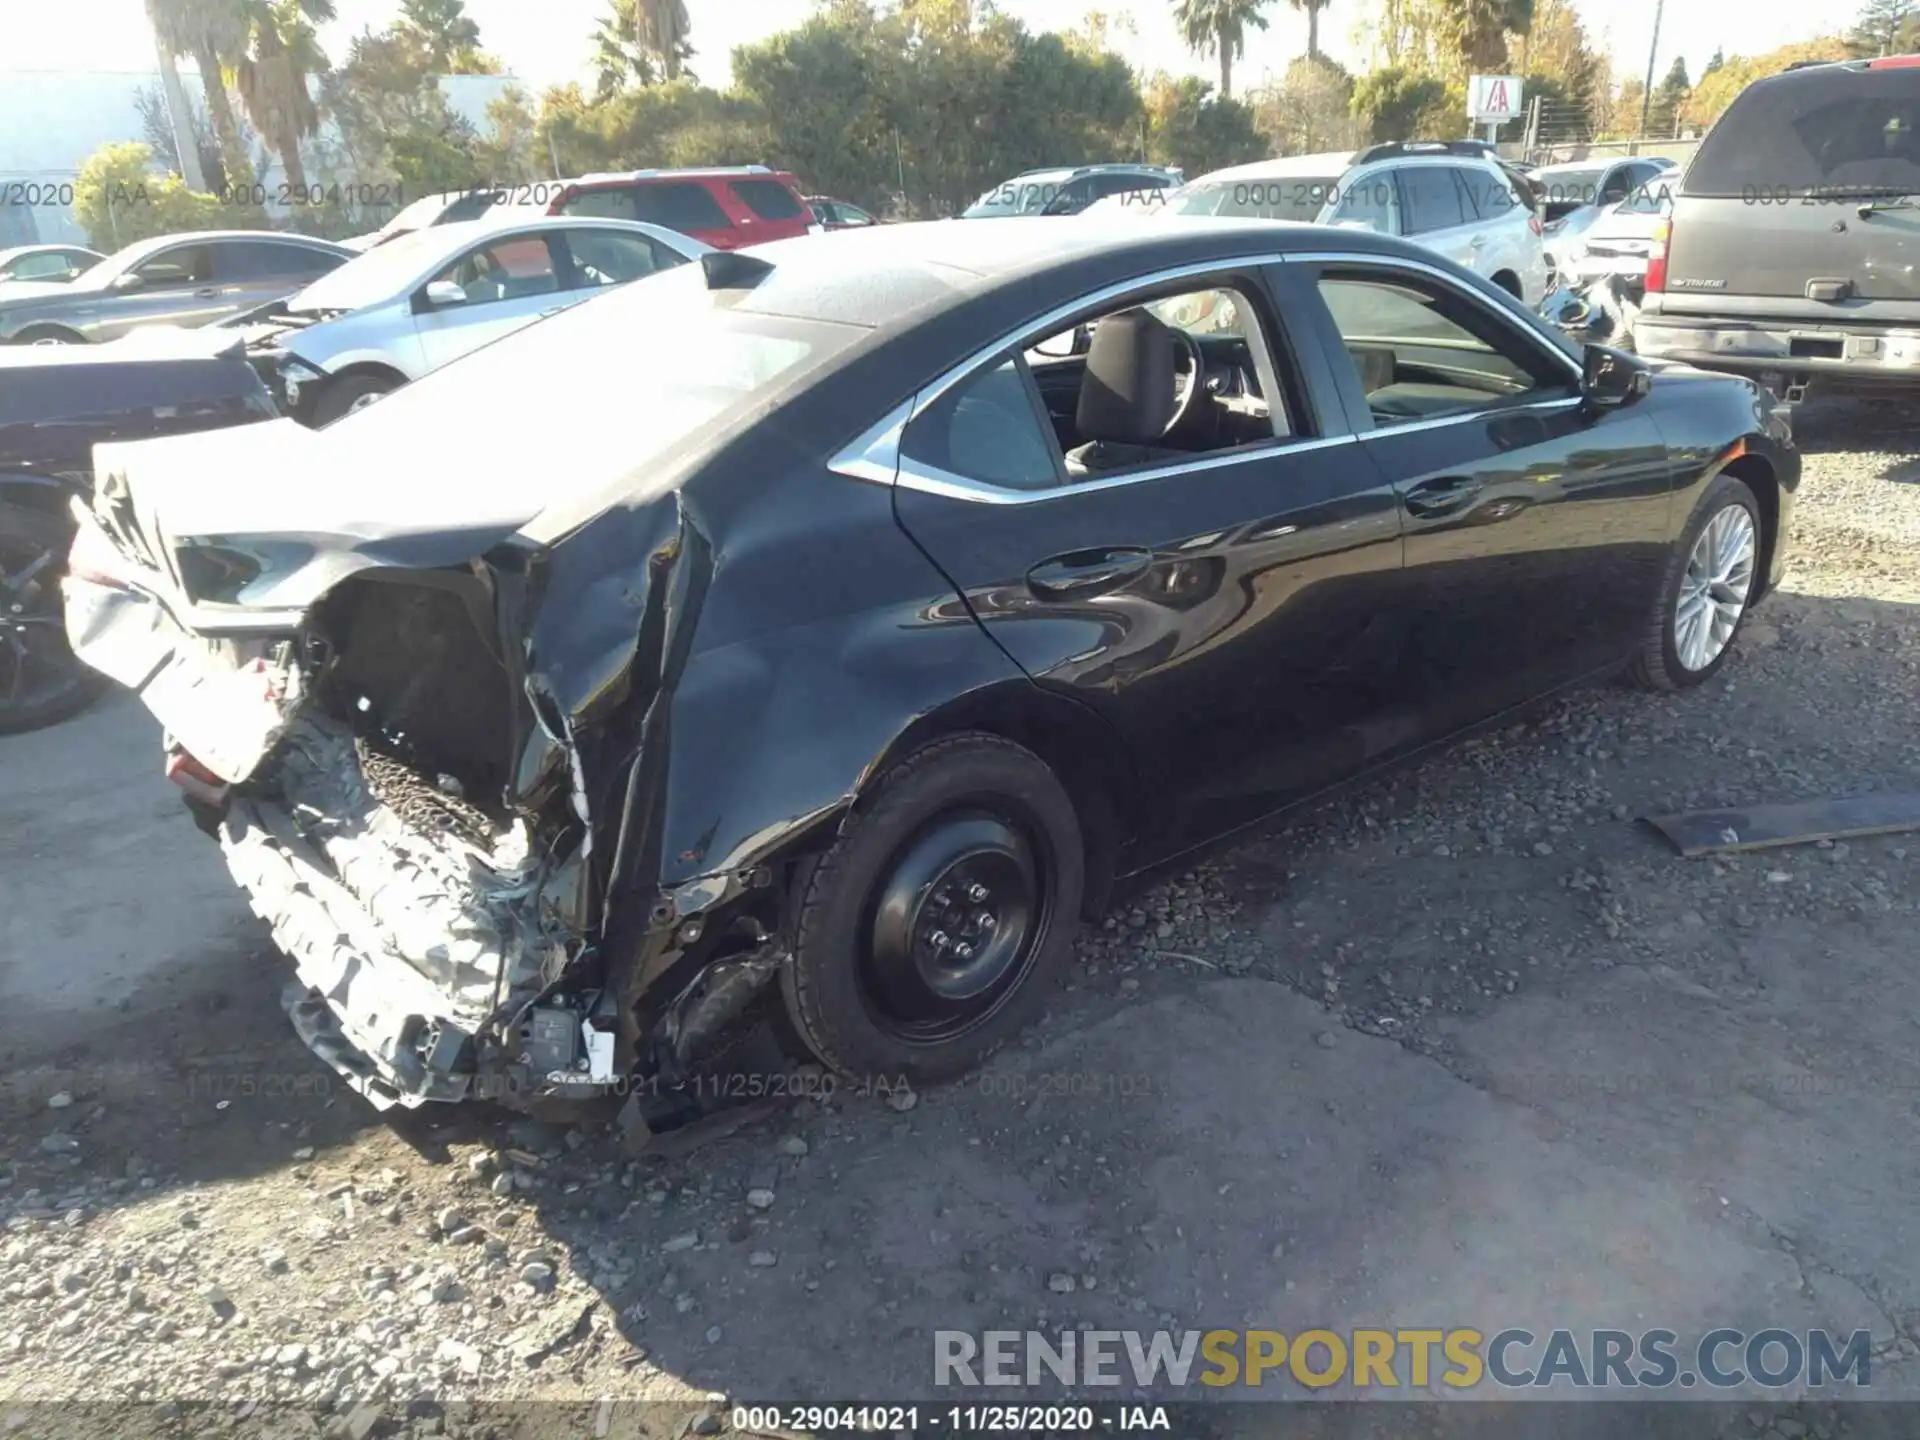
(1446, 196)
(410, 306)
(1621, 239)
(1579, 194)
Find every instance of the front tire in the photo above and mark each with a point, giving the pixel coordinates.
(348, 394)
(928, 935)
(1710, 585)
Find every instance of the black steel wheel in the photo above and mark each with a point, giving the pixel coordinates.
(41, 683)
(927, 933)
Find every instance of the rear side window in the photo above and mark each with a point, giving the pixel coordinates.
(1487, 195)
(679, 205)
(1430, 198)
(1842, 130)
(768, 199)
(986, 429)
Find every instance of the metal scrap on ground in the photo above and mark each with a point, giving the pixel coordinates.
(1764, 827)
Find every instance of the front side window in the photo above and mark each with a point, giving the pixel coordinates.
(180, 265)
(606, 258)
(1421, 350)
(510, 268)
(1370, 204)
(1430, 198)
(51, 266)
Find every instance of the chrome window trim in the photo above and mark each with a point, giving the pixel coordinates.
(874, 456)
(1414, 427)
(934, 481)
(1433, 272)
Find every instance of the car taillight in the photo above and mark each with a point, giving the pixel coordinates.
(1533, 224)
(1657, 245)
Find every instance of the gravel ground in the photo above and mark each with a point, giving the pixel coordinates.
(192, 1213)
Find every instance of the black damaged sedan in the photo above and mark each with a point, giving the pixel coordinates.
(823, 631)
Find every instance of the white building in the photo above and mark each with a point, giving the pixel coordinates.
(52, 120)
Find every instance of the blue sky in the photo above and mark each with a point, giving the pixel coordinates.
(545, 41)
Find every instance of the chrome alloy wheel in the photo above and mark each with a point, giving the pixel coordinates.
(1715, 588)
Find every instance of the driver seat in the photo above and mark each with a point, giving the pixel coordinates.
(1127, 396)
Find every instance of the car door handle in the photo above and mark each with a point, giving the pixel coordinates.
(207, 294)
(1443, 496)
(1479, 242)
(1087, 572)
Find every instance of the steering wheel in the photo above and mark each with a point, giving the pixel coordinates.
(1185, 394)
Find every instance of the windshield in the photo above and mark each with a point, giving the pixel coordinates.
(1840, 130)
(1016, 197)
(375, 275)
(581, 397)
(1291, 197)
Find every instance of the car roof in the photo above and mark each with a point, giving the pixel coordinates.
(1280, 166)
(894, 276)
(9, 252)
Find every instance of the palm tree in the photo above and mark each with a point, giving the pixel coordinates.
(445, 35)
(282, 52)
(1313, 9)
(642, 41)
(212, 32)
(1220, 26)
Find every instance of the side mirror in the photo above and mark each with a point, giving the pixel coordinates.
(1610, 379)
(131, 280)
(445, 292)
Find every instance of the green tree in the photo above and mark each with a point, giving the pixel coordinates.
(1396, 103)
(1190, 127)
(1883, 27)
(1718, 62)
(274, 72)
(1219, 27)
(1669, 100)
(118, 199)
(1313, 9)
(641, 42)
(211, 32)
(394, 122)
(447, 38)
(828, 90)
(508, 152)
(1311, 110)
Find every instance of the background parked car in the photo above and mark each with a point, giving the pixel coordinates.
(1621, 239)
(1577, 195)
(1068, 190)
(838, 214)
(190, 280)
(395, 313)
(50, 264)
(56, 403)
(451, 207)
(724, 208)
(1447, 197)
(1790, 250)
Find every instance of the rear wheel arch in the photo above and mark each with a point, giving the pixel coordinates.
(1080, 748)
(1759, 477)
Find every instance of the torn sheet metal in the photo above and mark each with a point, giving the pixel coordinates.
(1765, 827)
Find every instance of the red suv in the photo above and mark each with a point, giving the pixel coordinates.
(725, 208)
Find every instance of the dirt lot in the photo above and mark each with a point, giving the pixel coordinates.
(1467, 1047)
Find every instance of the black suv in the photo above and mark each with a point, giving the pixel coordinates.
(1789, 250)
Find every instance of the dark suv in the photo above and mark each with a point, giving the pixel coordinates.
(1789, 250)
(724, 208)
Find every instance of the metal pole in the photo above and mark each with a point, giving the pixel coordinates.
(1653, 50)
(181, 118)
(553, 154)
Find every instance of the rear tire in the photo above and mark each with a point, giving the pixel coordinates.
(1708, 589)
(41, 683)
(349, 393)
(48, 335)
(928, 935)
